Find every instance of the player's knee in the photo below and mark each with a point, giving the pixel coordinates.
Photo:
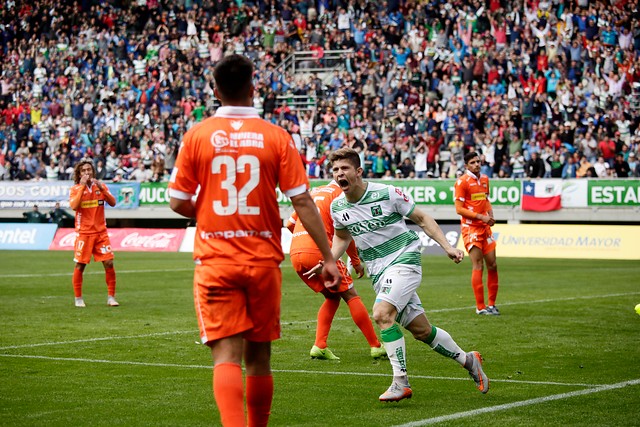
(383, 316)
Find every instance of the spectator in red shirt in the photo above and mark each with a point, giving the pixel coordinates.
(607, 149)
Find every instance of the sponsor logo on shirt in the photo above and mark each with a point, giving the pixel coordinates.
(220, 139)
(91, 203)
(233, 234)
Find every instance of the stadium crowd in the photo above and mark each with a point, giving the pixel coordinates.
(539, 88)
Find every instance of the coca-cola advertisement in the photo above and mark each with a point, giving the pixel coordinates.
(128, 239)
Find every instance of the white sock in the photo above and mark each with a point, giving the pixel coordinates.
(393, 341)
(441, 342)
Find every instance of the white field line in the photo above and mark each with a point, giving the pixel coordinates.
(301, 322)
(43, 344)
(289, 371)
(529, 402)
(539, 301)
(101, 271)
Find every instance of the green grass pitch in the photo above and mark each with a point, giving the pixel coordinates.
(564, 352)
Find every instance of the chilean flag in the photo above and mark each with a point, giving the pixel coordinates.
(541, 195)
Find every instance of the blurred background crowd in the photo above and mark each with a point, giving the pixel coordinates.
(539, 88)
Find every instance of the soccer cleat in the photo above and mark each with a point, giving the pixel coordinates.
(482, 312)
(476, 372)
(396, 393)
(379, 352)
(80, 302)
(111, 302)
(493, 310)
(322, 353)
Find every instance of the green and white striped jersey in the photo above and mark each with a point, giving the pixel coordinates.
(376, 223)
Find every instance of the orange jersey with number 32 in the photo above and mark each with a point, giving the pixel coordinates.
(234, 161)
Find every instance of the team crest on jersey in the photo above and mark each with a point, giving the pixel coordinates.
(376, 210)
(237, 124)
(219, 139)
(385, 290)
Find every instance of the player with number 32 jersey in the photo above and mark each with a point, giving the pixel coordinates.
(238, 156)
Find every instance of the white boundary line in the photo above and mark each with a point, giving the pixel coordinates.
(43, 344)
(100, 271)
(289, 371)
(539, 301)
(285, 323)
(507, 406)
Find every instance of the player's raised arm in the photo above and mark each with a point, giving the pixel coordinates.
(433, 230)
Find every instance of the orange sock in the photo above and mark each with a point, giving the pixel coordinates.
(77, 282)
(325, 317)
(360, 316)
(478, 288)
(492, 286)
(259, 397)
(110, 274)
(228, 393)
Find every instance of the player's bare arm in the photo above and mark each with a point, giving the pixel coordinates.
(433, 230)
(308, 213)
(341, 241)
(183, 207)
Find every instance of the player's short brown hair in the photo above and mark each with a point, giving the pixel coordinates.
(348, 154)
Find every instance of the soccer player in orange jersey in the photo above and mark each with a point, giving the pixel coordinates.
(472, 204)
(305, 255)
(236, 160)
(87, 197)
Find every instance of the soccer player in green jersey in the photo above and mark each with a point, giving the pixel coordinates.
(373, 215)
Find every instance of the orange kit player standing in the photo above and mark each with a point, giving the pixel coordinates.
(305, 255)
(236, 160)
(87, 197)
(472, 204)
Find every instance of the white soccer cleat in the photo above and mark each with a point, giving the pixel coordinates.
(80, 303)
(111, 302)
(396, 393)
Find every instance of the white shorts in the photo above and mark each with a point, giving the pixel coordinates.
(398, 286)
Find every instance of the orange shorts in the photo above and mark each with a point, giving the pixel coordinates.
(234, 299)
(481, 237)
(97, 245)
(303, 262)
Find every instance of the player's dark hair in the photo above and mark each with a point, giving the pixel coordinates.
(78, 166)
(233, 76)
(469, 156)
(348, 154)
